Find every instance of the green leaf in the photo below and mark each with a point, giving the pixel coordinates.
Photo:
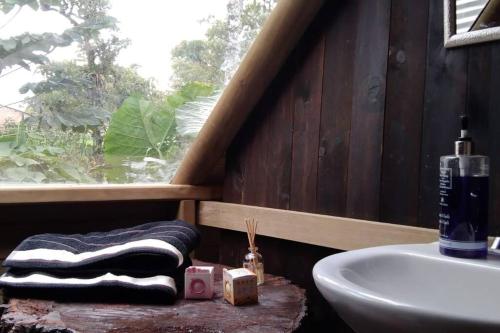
(5, 149)
(52, 151)
(69, 172)
(8, 44)
(22, 161)
(191, 116)
(8, 137)
(137, 129)
(24, 175)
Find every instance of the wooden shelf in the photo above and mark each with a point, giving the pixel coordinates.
(72, 193)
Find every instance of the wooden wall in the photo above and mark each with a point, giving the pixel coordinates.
(355, 123)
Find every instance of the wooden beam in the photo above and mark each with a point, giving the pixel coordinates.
(71, 193)
(329, 231)
(187, 213)
(279, 35)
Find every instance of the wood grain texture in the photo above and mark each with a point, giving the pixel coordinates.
(386, 117)
(281, 308)
(494, 140)
(403, 112)
(328, 231)
(445, 100)
(482, 108)
(335, 126)
(267, 168)
(369, 78)
(306, 105)
(262, 173)
(75, 193)
(187, 211)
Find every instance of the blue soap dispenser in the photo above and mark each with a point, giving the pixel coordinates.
(463, 200)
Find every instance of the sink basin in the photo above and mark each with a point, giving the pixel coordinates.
(411, 288)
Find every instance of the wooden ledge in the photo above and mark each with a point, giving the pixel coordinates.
(72, 193)
(329, 231)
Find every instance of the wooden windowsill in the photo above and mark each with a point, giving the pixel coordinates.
(72, 193)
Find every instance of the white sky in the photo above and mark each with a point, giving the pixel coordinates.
(154, 27)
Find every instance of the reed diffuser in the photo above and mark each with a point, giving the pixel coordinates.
(253, 260)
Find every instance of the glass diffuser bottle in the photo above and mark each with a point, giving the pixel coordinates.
(253, 261)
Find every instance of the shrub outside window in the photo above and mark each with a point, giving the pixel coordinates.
(113, 91)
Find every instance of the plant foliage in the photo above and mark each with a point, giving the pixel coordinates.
(91, 120)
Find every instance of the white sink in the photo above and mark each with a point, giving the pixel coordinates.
(411, 288)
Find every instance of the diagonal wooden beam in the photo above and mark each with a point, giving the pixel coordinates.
(278, 37)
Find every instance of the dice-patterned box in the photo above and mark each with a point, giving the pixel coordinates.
(240, 286)
(199, 282)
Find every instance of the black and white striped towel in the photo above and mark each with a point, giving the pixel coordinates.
(148, 257)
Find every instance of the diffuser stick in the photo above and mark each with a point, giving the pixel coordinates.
(253, 260)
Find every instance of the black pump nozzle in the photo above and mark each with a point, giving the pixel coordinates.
(463, 146)
(464, 123)
(464, 126)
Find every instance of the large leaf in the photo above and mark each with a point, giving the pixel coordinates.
(23, 175)
(191, 116)
(139, 128)
(19, 50)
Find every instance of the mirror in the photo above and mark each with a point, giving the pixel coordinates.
(471, 21)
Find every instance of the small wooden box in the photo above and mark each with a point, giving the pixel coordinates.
(240, 286)
(199, 282)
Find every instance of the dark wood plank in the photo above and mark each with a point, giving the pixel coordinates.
(336, 107)
(445, 100)
(478, 105)
(403, 112)
(234, 181)
(281, 309)
(262, 157)
(276, 145)
(306, 104)
(261, 153)
(494, 139)
(478, 95)
(365, 152)
(209, 248)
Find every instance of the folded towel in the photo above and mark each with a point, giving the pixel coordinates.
(136, 248)
(103, 288)
(148, 257)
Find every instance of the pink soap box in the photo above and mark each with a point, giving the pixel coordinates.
(199, 282)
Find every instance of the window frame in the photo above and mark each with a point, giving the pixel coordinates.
(14, 194)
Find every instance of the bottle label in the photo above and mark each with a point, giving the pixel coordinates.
(463, 213)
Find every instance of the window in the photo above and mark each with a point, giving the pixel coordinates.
(113, 91)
